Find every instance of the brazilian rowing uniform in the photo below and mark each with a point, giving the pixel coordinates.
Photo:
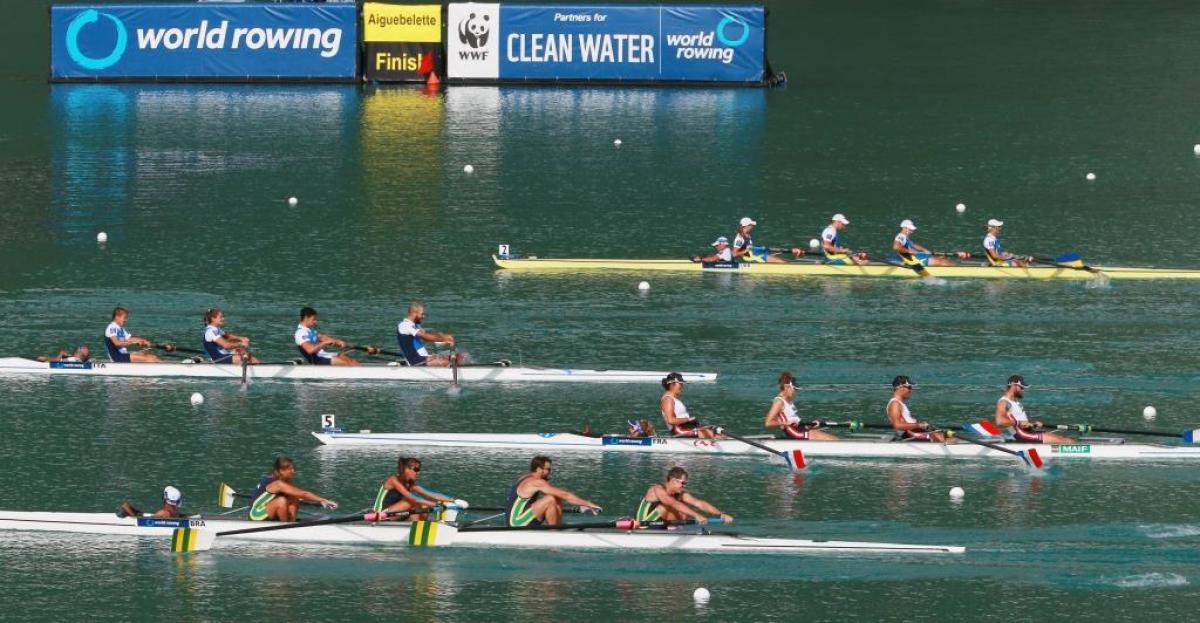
(754, 253)
(116, 354)
(911, 256)
(909, 435)
(790, 421)
(519, 513)
(213, 348)
(832, 236)
(993, 250)
(321, 357)
(1017, 413)
(260, 498)
(411, 346)
(686, 429)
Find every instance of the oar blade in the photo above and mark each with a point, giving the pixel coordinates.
(795, 460)
(1192, 436)
(1032, 458)
(185, 540)
(225, 495)
(1068, 258)
(431, 534)
(983, 428)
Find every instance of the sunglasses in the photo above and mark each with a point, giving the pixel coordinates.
(416, 468)
(682, 483)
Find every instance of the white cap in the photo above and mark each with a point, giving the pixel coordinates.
(840, 218)
(172, 496)
(995, 223)
(746, 220)
(720, 241)
(907, 224)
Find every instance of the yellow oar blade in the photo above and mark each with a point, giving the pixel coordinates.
(191, 540)
(431, 534)
(225, 495)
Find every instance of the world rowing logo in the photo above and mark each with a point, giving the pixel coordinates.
(92, 16)
(725, 23)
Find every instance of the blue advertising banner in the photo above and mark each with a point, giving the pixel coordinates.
(204, 42)
(580, 42)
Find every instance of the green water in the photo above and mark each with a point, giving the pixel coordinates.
(895, 110)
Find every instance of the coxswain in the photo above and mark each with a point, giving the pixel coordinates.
(675, 412)
(533, 501)
(277, 499)
(172, 499)
(411, 338)
(400, 492)
(831, 243)
(670, 501)
(117, 341)
(312, 343)
(221, 345)
(913, 254)
(782, 414)
(902, 419)
(744, 249)
(1010, 416)
(994, 251)
(723, 252)
(79, 355)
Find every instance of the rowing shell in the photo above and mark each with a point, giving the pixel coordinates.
(860, 449)
(365, 372)
(397, 533)
(816, 269)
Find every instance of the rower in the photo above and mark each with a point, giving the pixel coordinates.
(831, 243)
(913, 254)
(172, 499)
(1010, 416)
(411, 338)
(723, 252)
(744, 249)
(670, 501)
(994, 251)
(312, 344)
(902, 419)
(117, 341)
(533, 501)
(277, 499)
(79, 355)
(221, 345)
(782, 414)
(400, 492)
(675, 412)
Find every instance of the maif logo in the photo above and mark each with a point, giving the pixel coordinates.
(91, 16)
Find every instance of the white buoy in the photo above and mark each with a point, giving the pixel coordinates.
(957, 493)
(1150, 413)
(814, 244)
(1196, 149)
(292, 201)
(701, 595)
(102, 237)
(468, 169)
(643, 286)
(616, 142)
(962, 207)
(1091, 176)
(197, 399)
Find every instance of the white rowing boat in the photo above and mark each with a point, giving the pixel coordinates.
(398, 533)
(1113, 449)
(475, 373)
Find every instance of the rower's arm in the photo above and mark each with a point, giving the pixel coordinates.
(899, 248)
(564, 495)
(897, 420)
(132, 340)
(920, 248)
(668, 410)
(324, 339)
(433, 336)
(288, 489)
(696, 502)
(1002, 417)
(829, 247)
(772, 420)
(225, 342)
(429, 495)
(684, 507)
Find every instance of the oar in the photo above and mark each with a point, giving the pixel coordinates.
(1067, 260)
(793, 458)
(1030, 456)
(1189, 436)
(375, 350)
(188, 539)
(454, 369)
(620, 524)
(171, 348)
(916, 267)
(226, 495)
(245, 365)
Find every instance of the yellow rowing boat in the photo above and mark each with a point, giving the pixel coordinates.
(817, 269)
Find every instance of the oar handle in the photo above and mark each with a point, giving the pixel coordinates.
(375, 350)
(1088, 428)
(749, 442)
(171, 348)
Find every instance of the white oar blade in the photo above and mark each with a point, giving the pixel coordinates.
(192, 540)
(225, 495)
(431, 534)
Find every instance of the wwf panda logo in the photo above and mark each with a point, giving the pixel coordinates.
(474, 31)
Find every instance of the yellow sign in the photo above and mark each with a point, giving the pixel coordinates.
(402, 23)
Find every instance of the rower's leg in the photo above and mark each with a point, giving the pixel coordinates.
(1055, 438)
(276, 509)
(548, 510)
(820, 435)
